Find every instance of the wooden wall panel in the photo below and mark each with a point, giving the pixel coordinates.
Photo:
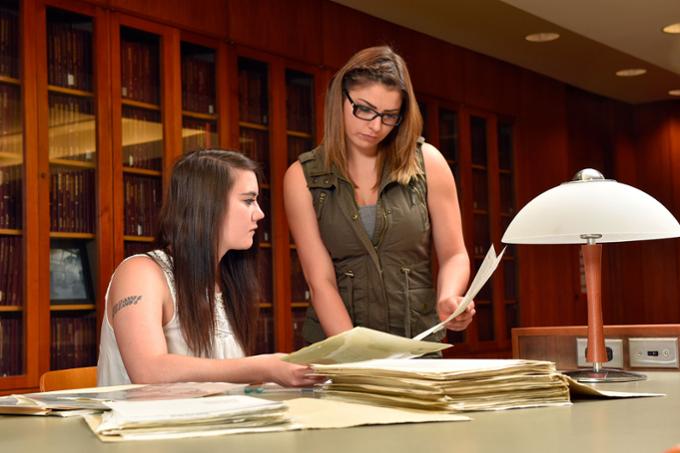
(208, 17)
(290, 28)
(346, 31)
(490, 84)
(546, 282)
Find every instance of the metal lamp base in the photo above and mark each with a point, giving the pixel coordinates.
(604, 375)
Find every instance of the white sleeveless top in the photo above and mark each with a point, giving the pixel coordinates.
(110, 368)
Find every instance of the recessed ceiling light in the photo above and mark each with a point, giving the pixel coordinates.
(674, 92)
(672, 28)
(542, 37)
(632, 72)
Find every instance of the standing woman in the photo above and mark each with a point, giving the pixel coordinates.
(187, 311)
(366, 206)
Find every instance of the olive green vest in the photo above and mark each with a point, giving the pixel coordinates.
(385, 282)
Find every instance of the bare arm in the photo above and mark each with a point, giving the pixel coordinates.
(315, 260)
(447, 232)
(139, 302)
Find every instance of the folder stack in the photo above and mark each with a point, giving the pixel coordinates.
(448, 385)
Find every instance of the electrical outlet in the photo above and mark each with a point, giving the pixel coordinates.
(653, 352)
(614, 350)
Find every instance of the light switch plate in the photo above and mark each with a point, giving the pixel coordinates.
(615, 344)
(653, 352)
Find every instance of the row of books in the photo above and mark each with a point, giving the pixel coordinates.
(10, 197)
(297, 146)
(11, 345)
(72, 202)
(71, 127)
(252, 93)
(198, 134)
(11, 276)
(299, 316)
(142, 138)
(9, 43)
(73, 340)
(264, 275)
(143, 198)
(255, 144)
(299, 289)
(140, 76)
(136, 248)
(299, 104)
(198, 85)
(10, 118)
(264, 343)
(69, 56)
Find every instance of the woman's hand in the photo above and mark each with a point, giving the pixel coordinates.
(285, 374)
(447, 306)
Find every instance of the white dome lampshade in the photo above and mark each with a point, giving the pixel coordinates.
(591, 205)
(591, 210)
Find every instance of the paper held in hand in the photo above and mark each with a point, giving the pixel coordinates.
(485, 271)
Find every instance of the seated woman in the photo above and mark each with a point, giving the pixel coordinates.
(187, 311)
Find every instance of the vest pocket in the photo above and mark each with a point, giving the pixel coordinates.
(422, 313)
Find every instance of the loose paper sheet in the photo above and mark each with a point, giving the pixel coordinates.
(485, 271)
(359, 344)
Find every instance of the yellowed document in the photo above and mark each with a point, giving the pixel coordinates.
(359, 344)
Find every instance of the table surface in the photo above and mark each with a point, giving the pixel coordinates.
(617, 425)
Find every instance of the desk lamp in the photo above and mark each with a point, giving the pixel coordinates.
(591, 210)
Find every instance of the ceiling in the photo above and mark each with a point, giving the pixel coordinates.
(597, 38)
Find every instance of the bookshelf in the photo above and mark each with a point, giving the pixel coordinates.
(96, 103)
(199, 100)
(254, 141)
(487, 170)
(72, 162)
(12, 309)
(142, 139)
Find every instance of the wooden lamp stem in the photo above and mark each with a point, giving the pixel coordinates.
(592, 258)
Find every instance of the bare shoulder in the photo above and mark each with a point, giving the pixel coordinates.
(434, 160)
(294, 175)
(136, 273)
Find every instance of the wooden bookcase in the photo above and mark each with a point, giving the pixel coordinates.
(479, 148)
(96, 104)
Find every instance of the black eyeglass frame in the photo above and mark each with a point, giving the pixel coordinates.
(376, 114)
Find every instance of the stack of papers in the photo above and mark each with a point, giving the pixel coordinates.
(448, 385)
(76, 402)
(191, 417)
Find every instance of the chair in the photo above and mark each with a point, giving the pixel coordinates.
(70, 378)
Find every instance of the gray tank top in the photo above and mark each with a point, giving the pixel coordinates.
(367, 214)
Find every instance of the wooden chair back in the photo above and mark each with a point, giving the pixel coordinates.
(70, 378)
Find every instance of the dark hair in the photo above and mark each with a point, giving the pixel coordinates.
(189, 230)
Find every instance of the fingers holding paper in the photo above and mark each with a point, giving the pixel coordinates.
(286, 374)
(447, 307)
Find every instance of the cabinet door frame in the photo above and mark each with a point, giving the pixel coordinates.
(101, 74)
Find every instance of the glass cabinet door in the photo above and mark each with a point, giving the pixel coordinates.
(142, 137)
(300, 119)
(72, 150)
(12, 314)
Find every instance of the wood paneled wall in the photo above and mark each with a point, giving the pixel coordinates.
(559, 130)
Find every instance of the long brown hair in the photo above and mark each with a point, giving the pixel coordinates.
(375, 65)
(190, 223)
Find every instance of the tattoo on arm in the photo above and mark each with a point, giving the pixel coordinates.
(130, 300)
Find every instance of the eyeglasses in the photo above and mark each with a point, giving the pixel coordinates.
(366, 113)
